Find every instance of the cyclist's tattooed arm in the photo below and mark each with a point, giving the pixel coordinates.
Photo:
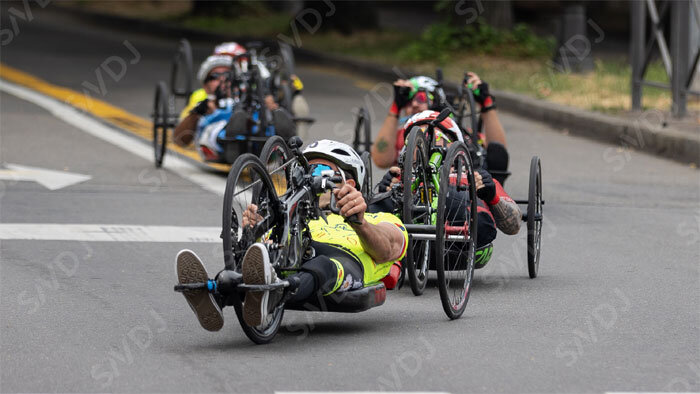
(383, 152)
(382, 145)
(507, 215)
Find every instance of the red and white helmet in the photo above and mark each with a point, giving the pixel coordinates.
(448, 128)
(229, 48)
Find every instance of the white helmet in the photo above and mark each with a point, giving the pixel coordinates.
(341, 155)
(211, 63)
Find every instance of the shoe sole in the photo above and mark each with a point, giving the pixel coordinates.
(190, 270)
(255, 272)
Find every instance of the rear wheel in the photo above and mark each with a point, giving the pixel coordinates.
(161, 122)
(181, 71)
(455, 230)
(467, 117)
(363, 132)
(249, 183)
(417, 207)
(534, 217)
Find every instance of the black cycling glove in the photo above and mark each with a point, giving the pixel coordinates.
(488, 192)
(201, 108)
(484, 97)
(385, 183)
(401, 96)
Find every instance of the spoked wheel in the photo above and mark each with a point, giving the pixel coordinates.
(455, 230)
(249, 183)
(418, 196)
(363, 132)
(534, 217)
(181, 71)
(276, 156)
(467, 116)
(286, 99)
(161, 119)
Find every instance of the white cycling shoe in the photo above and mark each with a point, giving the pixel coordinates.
(257, 271)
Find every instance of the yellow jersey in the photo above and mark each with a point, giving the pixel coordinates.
(339, 234)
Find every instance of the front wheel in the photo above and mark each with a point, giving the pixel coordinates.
(417, 207)
(264, 333)
(276, 157)
(249, 183)
(455, 230)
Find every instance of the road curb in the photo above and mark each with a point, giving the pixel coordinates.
(624, 133)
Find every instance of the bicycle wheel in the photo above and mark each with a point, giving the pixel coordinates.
(363, 132)
(418, 195)
(181, 70)
(161, 119)
(466, 113)
(455, 230)
(276, 156)
(248, 183)
(534, 217)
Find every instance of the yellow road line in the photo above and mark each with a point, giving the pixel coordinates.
(120, 118)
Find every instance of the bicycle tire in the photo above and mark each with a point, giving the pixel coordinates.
(457, 165)
(235, 242)
(274, 155)
(415, 163)
(161, 119)
(534, 218)
(182, 65)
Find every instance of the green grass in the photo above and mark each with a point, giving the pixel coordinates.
(515, 60)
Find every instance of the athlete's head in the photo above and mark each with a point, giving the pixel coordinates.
(425, 94)
(213, 72)
(337, 156)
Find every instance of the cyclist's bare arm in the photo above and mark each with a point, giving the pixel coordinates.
(384, 147)
(493, 129)
(184, 131)
(384, 242)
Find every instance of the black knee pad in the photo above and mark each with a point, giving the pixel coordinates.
(325, 272)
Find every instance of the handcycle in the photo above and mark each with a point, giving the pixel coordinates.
(281, 184)
(246, 91)
(463, 106)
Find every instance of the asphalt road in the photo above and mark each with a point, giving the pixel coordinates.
(616, 306)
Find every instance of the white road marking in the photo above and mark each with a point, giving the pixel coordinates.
(70, 115)
(50, 179)
(107, 233)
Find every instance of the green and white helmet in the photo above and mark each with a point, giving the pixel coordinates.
(426, 84)
(341, 155)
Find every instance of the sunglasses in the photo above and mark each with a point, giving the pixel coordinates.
(420, 97)
(318, 169)
(214, 76)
